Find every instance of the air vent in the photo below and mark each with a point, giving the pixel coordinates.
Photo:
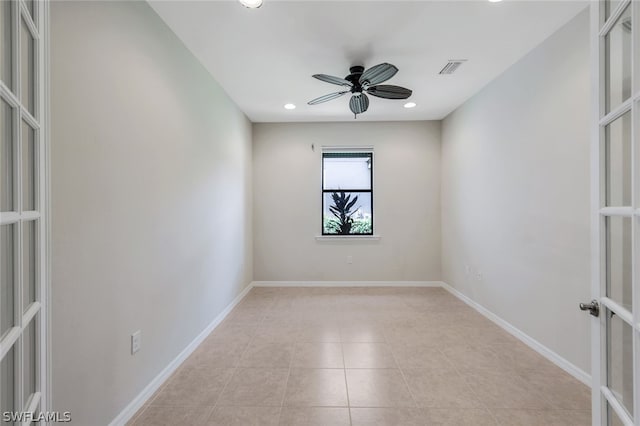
(452, 66)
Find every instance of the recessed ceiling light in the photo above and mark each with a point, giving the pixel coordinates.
(494, 1)
(289, 106)
(410, 105)
(251, 4)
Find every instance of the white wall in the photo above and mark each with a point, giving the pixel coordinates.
(287, 200)
(151, 189)
(515, 186)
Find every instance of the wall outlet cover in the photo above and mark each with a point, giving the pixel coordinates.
(136, 342)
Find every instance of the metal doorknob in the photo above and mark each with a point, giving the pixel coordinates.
(593, 307)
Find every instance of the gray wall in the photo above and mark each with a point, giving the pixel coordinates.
(515, 186)
(151, 190)
(287, 200)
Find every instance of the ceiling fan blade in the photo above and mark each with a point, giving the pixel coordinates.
(389, 92)
(333, 80)
(378, 74)
(359, 103)
(326, 98)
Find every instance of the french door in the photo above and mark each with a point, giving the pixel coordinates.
(615, 43)
(23, 182)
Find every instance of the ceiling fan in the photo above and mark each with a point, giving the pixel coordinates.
(361, 83)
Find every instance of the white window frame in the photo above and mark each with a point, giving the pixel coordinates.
(346, 149)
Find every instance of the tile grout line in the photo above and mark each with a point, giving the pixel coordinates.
(286, 382)
(514, 374)
(452, 365)
(346, 384)
(284, 391)
(406, 383)
(236, 367)
(455, 368)
(404, 379)
(155, 395)
(466, 382)
(178, 370)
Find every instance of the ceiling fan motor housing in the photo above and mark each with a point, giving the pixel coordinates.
(356, 71)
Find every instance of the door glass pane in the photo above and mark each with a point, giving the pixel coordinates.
(27, 72)
(614, 420)
(360, 213)
(346, 171)
(619, 257)
(30, 9)
(28, 168)
(618, 161)
(620, 360)
(29, 360)
(6, 156)
(7, 382)
(28, 263)
(609, 7)
(6, 43)
(7, 278)
(618, 61)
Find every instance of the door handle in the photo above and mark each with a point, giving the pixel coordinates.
(593, 307)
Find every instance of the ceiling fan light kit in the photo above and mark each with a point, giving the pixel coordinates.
(360, 83)
(251, 4)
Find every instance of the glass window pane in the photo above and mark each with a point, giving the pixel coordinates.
(27, 72)
(619, 257)
(6, 156)
(7, 277)
(618, 61)
(620, 360)
(618, 161)
(610, 6)
(29, 360)
(6, 43)
(347, 171)
(347, 213)
(614, 420)
(30, 9)
(28, 263)
(7, 382)
(28, 168)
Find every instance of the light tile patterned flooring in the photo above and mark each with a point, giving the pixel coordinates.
(364, 356)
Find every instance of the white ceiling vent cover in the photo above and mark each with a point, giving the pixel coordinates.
(452, 66)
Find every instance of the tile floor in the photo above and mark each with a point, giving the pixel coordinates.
(364, 356)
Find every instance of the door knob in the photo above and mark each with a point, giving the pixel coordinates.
(593, 307)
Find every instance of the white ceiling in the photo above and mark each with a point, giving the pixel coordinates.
(265, 57)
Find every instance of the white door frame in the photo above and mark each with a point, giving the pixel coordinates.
(601, 394)
(37, 25)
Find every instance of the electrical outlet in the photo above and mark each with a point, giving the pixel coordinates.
(479, 276)
(136, 342)
(349, 260)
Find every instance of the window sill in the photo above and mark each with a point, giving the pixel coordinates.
(347, 237)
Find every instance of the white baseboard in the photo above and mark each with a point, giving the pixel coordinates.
(347, 283)
(567, 366)
(135, 405)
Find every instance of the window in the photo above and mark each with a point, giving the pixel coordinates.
(347, 193)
